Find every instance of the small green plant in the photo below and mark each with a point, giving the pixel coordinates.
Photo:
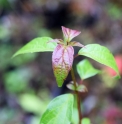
(60, 109)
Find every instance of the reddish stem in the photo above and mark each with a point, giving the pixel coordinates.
(78, 96)
(76, 55)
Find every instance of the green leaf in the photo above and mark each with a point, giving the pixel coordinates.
(39, 44)
(100, 54)
(86, 70)
(32, 103)
(86, 121)
(79, 88)
(70, 86)
(59, 110)
(75, 119)
(82, 88)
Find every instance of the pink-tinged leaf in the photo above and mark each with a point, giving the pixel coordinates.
(69, 34)
(56, 40)
(62, 60)
(75, 43)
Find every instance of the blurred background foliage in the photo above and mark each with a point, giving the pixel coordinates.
(27, 83)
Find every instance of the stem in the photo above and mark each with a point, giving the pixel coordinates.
(76, 55)
(77, 94)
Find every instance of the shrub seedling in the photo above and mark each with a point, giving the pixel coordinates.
(60, 109)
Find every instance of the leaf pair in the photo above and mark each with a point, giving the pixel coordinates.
(63, 55)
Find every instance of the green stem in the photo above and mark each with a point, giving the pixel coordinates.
(77, 94)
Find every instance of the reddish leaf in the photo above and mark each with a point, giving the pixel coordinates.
(75, 43)
(59, 41)
(62, 60)
(69, 34)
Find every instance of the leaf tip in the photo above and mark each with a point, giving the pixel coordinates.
(14, 55)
